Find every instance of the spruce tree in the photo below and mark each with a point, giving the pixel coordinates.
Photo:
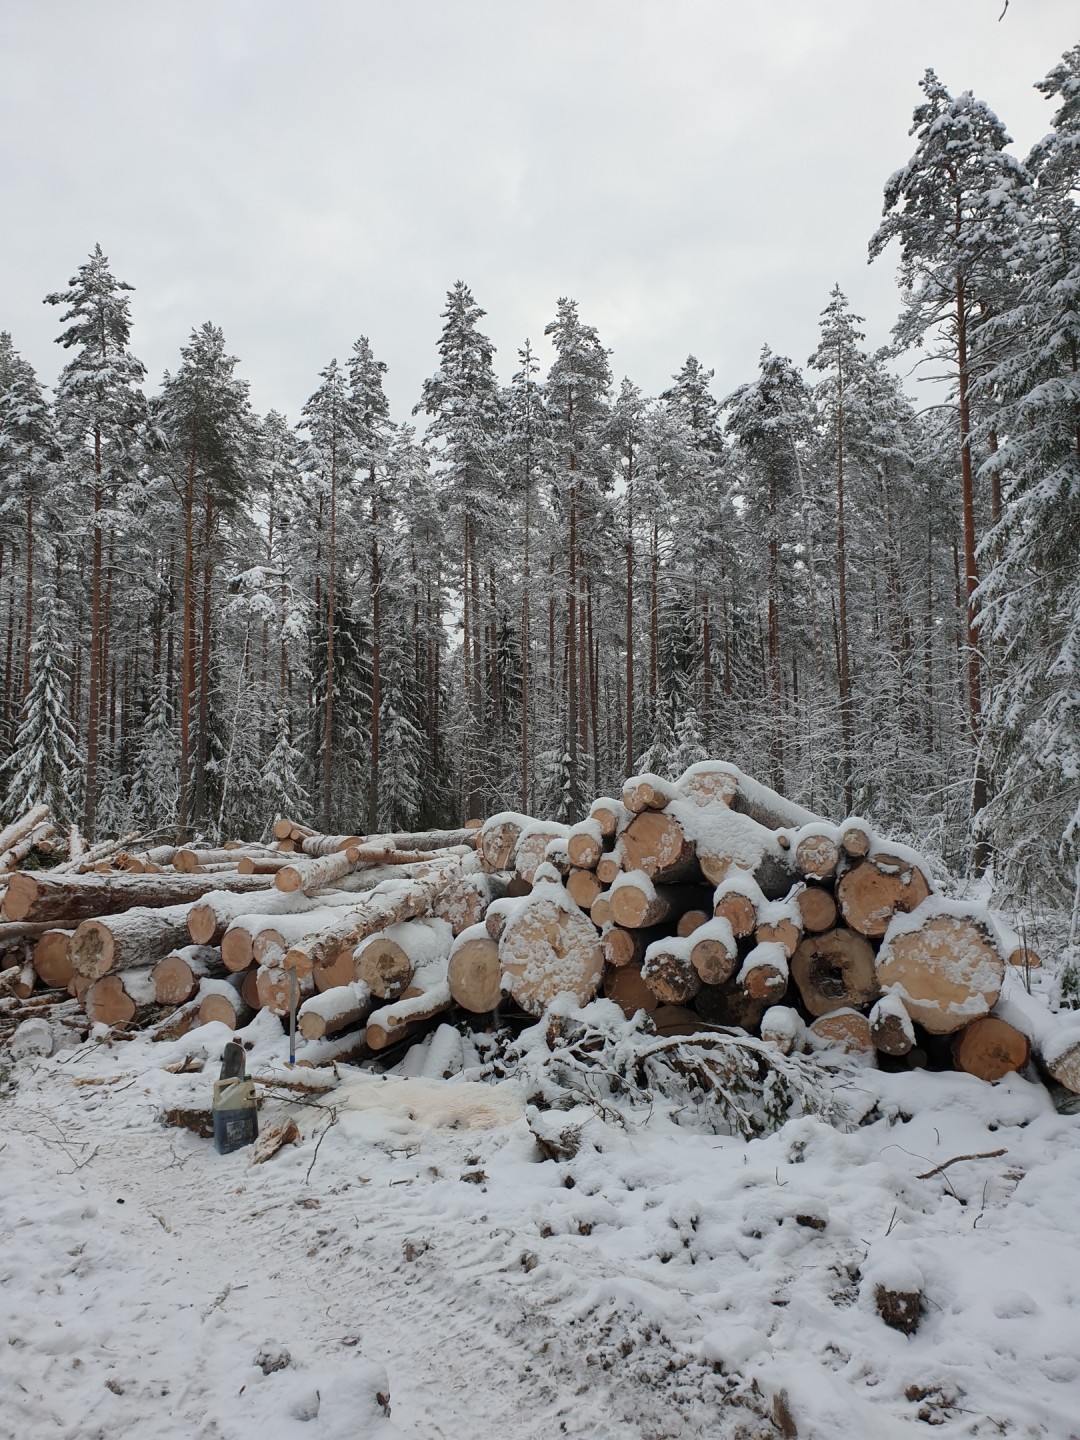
(43, 767)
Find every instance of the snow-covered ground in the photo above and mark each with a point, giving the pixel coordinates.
(663, 1283)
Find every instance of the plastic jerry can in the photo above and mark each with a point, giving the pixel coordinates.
(236, 1118)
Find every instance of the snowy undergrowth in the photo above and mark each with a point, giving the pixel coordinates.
(661, 1282)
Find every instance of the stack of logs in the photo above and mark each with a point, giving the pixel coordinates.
(708, 902)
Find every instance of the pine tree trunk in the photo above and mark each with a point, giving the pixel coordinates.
(94, 698)
(376, 661)
(331, 597)
(187, 657)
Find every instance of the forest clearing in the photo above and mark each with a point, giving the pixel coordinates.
(552, 907)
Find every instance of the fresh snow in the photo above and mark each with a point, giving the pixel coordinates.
(665, 1283)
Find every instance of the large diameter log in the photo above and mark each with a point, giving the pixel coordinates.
(52, 958)
(636, 902)
(465, 903)
(119, 999)
(497, 838)
(340, 971)
(879, 887)
(728, 842)
(625, 985)
(945, 963)
(334, 1010)
(990, 1048)
(1055, 1039)
(387, 962)
(548, 947)
(669, 972)
(280, 989)
(729, 1004)
(137, 937)
(532, 844)
(176, 978)
(474, 972)
(68, 899)
(709, 782)
(656, 843)
(834, 970)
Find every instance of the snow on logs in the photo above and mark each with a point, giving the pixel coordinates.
(707, 900)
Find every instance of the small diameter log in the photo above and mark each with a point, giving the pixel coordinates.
(714, 951)
(691, 920)
(260, 865)
(780, 923)
(817, 908)
(177, 977)
(549, 947)
(532, 844)
(945, 963)
(388, 904)
(610, 815)
(656, 843)
(585, 844)
(387, 961)
(249, 987)
(1055, 1039)
(672, 1020)
(18, 829)
(784, 1028)
(425, 841)
(474, 973)
(465, 902)
(600, 910)
(764, 972)
(311, 875)
(334, 1010)
(316, 846)
(137, 937)
(394, 1022)
(1024, 957)
(856, 838)
(283, 828)
(647, 792)
(636, 902)
(584, 887)
(737, 900)
(877, 888)
(669, 972)
(497, 839)
(728, 842)
(833, 970)
(288, 932)
(612, 863)
(847, 1030)
(119, 999)
(817, 852)
(189, 861)
(52, 958)
(990, 1048)
(223, 1001)
(620, 946)
(627, 987)
(68, 899)
(891, 1029)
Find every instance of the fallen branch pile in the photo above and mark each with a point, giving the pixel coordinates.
(711, 901)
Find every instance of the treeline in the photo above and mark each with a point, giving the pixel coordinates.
(208, 617)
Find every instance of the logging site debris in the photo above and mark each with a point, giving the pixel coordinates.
(701, 1117)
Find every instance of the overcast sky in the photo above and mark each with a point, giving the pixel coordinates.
(697, 174)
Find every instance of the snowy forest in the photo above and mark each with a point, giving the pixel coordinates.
(544, 580)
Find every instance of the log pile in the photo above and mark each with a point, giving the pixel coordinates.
(710, 901)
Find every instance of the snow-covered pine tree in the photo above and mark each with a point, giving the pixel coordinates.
(43, 767)
(101, 411)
